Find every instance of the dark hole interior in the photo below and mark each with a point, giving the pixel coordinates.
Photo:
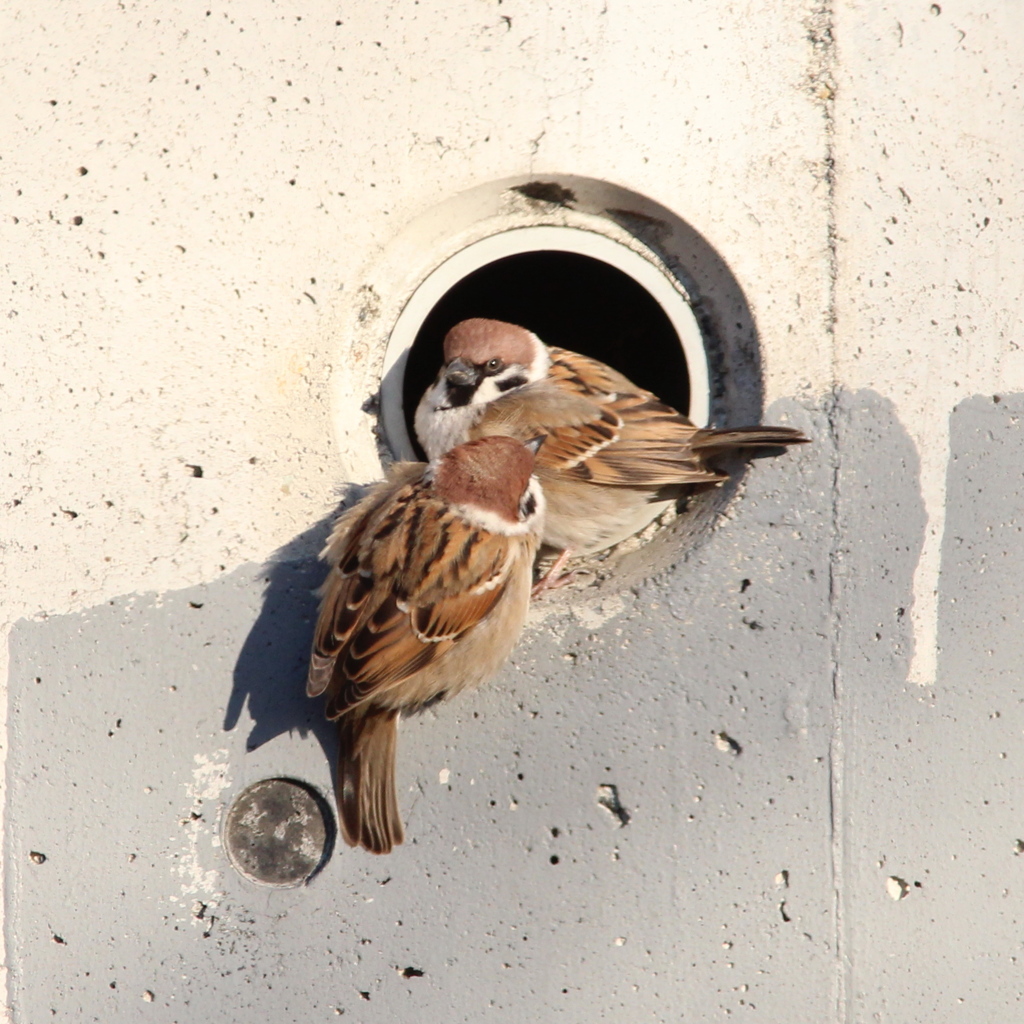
(566, 299)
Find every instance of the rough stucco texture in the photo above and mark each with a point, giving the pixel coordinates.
(180, 304)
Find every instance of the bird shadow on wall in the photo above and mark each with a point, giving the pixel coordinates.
(270, 674)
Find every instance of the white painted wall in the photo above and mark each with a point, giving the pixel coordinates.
(246, 164)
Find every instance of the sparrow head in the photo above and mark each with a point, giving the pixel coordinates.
(492, 480)
(485, 359)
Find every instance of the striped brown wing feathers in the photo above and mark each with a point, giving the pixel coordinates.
(342, 609)
(576, 372)
(650, 447)
(444, 619)
(620, 439)
(647, 468)
(575, 426)
(383, 651)
(394, 606)
(468, 572)
(571, 446)
(345, 592)
(654, 446)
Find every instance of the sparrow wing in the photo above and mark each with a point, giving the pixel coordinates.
(575, 426)
(655, 446)
(573, 371)
(600, 427)
(412, 577)
(346, 591)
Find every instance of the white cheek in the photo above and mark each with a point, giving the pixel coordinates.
(494, 523)
(487, 391)
(536, 521)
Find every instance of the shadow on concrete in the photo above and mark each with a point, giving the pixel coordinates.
(727, 324)
(982, 577)
(270, 673)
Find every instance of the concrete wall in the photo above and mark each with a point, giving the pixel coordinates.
(194, 199)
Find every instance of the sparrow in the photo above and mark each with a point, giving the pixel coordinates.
(427, 592)
(614, 456)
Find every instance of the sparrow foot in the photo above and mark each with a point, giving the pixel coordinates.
(542, 586)
(554, 578)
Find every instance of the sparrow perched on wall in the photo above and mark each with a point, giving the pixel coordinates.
(614, 456)
(427, 592)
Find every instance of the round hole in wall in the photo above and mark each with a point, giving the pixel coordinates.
(574, 288)
(531, 251)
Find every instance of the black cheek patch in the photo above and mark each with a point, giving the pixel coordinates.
(527, 506)
(460, 394)
(510, 382)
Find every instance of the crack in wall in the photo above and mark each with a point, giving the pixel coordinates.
(820, 25)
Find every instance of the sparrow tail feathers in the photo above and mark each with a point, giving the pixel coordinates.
(747, 437)
(367, 801)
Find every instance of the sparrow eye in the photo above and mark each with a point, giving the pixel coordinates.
(493, 365)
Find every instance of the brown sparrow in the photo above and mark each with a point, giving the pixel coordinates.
(614, 456)
(427, 592)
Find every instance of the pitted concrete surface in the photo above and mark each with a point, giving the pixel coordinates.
(517, 893)
(790, 799)
(211, 217)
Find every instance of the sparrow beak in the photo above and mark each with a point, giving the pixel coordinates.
(461, 374)
(535, 442)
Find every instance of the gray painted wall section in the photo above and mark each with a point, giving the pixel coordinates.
(751, 884)
(933, 776)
